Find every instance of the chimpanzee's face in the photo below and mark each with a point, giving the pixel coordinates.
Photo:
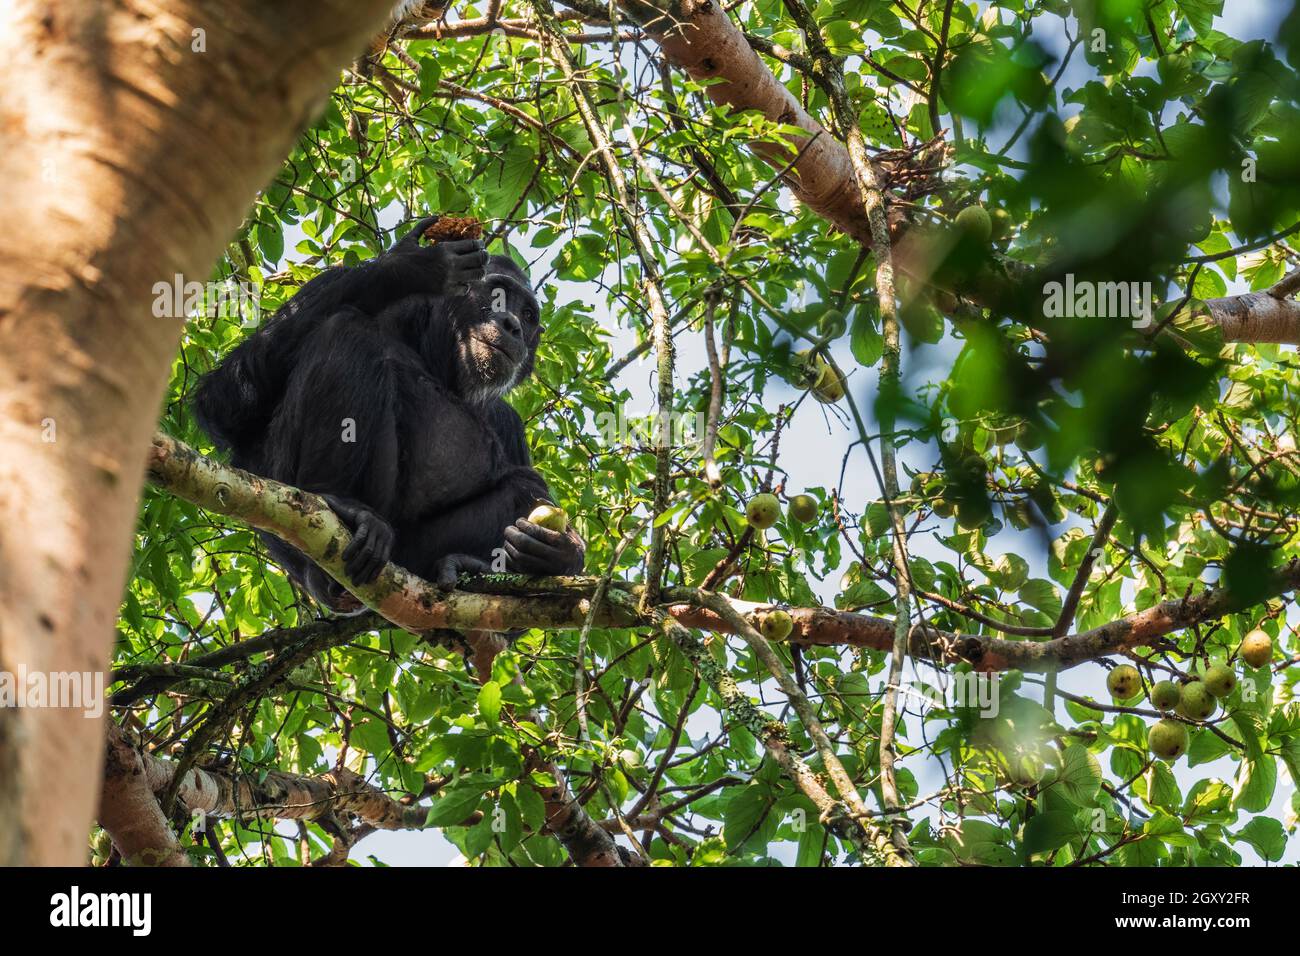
(497, 332)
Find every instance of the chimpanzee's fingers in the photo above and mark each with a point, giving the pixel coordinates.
(447, 574)
(453, 566)
(533, 544)
(412, 238)
(522, 563)
(372, 562)
(556, 539)
(470, 266)
(356, 546)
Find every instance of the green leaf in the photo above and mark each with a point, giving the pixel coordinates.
(489, 701)
(1267, 837)
(454, 806)
(1081, 775)
(1048, 831)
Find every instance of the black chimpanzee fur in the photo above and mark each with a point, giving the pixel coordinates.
(380, 387)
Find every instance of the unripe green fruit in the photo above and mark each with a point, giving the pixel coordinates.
(1197, 702)
(630, 759)
(1166, 695)
(1257, 648)
(1168, 739)
(944, 508)
(776, 625)
(1027, 769)
(973, 517)
(763, 510)
(974, 468)
(832, 323)
(803, 508)
(974, 222)
(1124, 682)
(1220, 680)
(551, 517)
(1028, 437)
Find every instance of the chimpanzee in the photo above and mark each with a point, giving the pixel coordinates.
(380, 387)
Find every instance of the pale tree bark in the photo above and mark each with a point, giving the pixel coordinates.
(133, 136)
(135, 778)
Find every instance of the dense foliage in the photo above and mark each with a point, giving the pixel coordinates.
(1164, 151)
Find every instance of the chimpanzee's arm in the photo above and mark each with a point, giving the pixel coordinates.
(530, 548)
(407, 268)
(236, 400)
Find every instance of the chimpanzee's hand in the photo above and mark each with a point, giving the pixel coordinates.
(532, 549)
(448, 569)
(372, 539)
(450, 264)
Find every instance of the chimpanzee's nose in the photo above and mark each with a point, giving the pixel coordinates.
(510, 323)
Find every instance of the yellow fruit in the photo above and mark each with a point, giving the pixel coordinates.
(1220, 680)
(551, 517)
(1168, 739)
(1197, 702)
(974, 221)
(1166, 695)
(830, 389)
(776, 625)
(1124, 682)
(818, 376)
(1257, 648)
(763, 510)
(1003, 224)
(803, 508)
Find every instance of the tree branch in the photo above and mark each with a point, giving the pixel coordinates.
(502, 602)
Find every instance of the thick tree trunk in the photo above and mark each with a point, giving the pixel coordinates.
(133, 135)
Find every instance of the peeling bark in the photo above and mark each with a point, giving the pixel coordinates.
(699, 38)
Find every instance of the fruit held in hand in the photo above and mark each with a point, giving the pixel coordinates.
(1166, 695)
(1257, 648)
(1197, 703)
(803, 508)
(1220, 680)
(551, 517)
(454, 227)
(763, 510)
(776, 625)
(1124, 682)
(974, 222)
(1168, 739)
